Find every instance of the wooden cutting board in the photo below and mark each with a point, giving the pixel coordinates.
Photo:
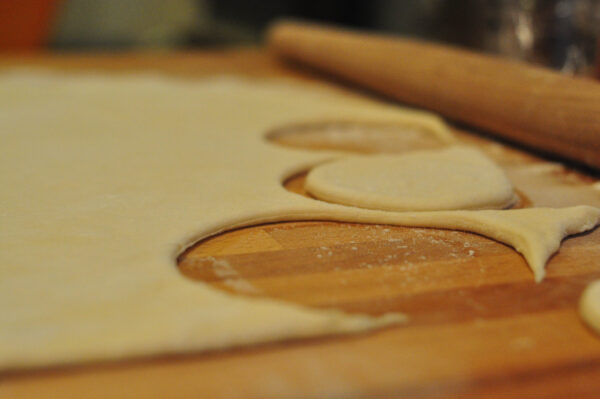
(480, 326)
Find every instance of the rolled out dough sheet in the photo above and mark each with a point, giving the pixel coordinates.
(105, 180)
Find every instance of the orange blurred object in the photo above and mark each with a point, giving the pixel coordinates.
(25, 24)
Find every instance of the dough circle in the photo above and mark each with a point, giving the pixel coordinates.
(589, 305)
(447, 179)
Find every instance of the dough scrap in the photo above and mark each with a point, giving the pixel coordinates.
(452, 178)
(107, 179)
(589, 306)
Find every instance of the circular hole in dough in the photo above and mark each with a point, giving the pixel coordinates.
(447, 179)
(360, 136)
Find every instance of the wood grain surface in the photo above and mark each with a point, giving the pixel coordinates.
(527, 104)
(479, 325)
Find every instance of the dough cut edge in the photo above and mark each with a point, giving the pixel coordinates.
(535, 239)
(302, 322)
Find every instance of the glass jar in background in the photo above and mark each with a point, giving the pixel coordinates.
(561, 34)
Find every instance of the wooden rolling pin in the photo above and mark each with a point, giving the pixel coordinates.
(530, 105)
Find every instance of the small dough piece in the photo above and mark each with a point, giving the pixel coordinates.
(447, 179)
(589, 306)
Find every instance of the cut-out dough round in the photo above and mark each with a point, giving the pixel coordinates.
(589, 306)
(447, 179)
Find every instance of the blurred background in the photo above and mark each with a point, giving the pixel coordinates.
(562, 34)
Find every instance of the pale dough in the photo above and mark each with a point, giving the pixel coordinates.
(452, 178)
(589, 306)
(105, 180)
